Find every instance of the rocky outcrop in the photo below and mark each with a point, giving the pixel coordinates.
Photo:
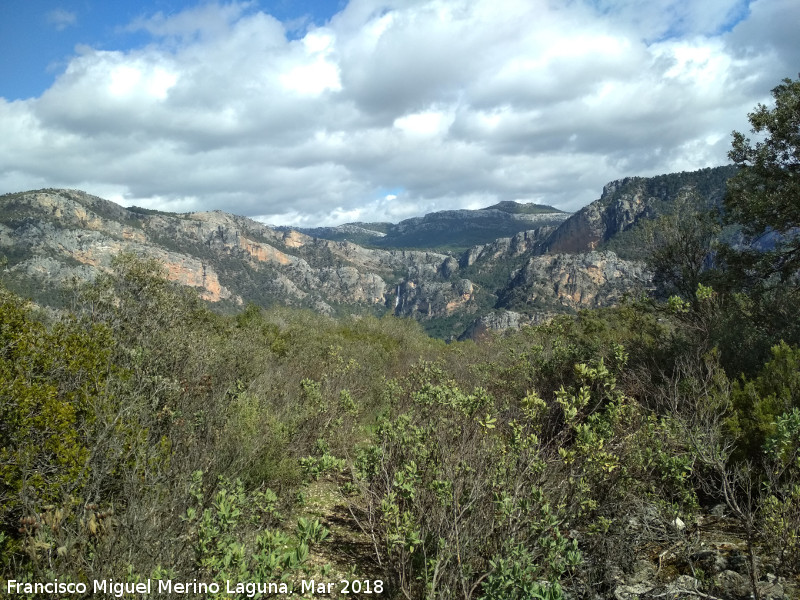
(423, 299)
(574, 281)
(529, 242)
(583, 232)
(704, 558)
(644, 583)
(69, 240)
(626, 202)
(621, 205)
(348, 285)
(53, 236)
(503, 320)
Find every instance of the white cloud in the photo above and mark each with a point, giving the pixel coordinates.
(394, 108)
(426, 124)
(205, 21)
(314, 72)
(61, 19)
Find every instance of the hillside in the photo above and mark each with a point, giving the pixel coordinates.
(593, 456)
(558, 263)
(613, 222)
(449, 230)
(199, 405)
(635, 450)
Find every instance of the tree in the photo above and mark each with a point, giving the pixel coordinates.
(682, 247)
(764, 196)
(52, 382)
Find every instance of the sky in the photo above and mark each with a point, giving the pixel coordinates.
(312, 113)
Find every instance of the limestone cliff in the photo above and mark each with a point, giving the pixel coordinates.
(627, 202)
(53, 236)
(502, 320)
(573, 281)
(50, 237)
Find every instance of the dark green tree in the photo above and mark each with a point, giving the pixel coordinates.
(764, 196)
(53, 381)
(682, 247)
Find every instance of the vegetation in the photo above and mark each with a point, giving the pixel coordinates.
(763, 195)
(445, 231)
(517, 208)
(698, 193)
(139, 210)
(144, 437)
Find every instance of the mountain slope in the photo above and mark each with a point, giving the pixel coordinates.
(594, 257)
(613, 221)
(454, 230)
(51, 237)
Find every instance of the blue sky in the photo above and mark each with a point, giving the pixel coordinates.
(39, 36)
(313, 113)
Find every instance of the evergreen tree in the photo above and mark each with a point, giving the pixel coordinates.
(764, 196)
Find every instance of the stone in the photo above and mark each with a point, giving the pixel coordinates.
(632, 592)
(643, 572)
(678, 524)
(730, 584)
(739, 561)
(772, 591)
(711, 561)
(718, 511)
(684, 583)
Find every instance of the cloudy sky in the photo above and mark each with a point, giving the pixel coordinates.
(322, 112)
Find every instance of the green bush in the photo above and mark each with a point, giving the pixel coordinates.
(53, 383)
(759, 402)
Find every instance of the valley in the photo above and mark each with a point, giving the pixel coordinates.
(454, 271)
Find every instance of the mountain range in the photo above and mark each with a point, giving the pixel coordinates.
(448, 230)
(460, 272)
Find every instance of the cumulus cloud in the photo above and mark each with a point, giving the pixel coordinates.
(394, 108)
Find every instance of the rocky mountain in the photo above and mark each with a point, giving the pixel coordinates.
(613, 221)
(454, 230)
(593, 258)
(51, 237)
(571, 281)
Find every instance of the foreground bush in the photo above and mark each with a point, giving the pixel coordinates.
(143, 436)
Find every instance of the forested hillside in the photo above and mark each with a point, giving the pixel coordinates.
(645, 450)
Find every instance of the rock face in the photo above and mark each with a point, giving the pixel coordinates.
(65, 236)
(551, 266)
(525, 242)
(424, 298)
(52, 236)
(574, 281)
(502, 320)
(626, 202)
